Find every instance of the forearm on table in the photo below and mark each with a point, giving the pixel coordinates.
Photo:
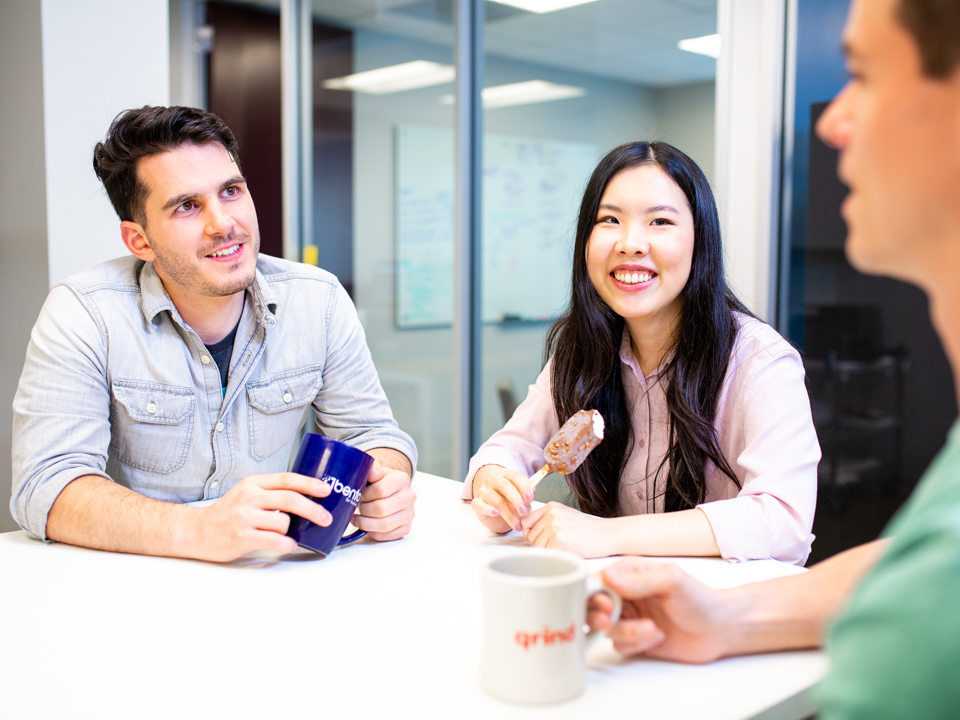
(393, 459)
(94, 512)
(794, 612)
(682, 533)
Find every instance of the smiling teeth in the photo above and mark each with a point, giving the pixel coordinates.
(226, 251)
(632, 278)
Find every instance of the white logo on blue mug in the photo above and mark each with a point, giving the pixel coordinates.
(352, 495)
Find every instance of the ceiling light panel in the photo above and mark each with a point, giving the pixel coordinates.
(523, 93)
(705, 45)
(395, 78)
(543, 6)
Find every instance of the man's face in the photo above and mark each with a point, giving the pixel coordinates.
(898, 133)
(201, 226)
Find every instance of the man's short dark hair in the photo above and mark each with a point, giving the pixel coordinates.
(935, 26)
(136, 134)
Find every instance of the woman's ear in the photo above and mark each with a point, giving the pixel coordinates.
(135, 239)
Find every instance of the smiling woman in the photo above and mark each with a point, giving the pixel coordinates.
(706, 412)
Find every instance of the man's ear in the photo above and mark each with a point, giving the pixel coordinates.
(136, 241)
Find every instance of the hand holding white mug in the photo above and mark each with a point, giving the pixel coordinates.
(666, 614)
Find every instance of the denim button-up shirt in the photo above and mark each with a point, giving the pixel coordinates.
(116, 384)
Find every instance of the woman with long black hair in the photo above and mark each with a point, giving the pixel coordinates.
(709, 447)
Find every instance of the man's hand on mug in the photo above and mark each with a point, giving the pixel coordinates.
(501, 498)
(666, 613)
(245, 518)
(386, 507)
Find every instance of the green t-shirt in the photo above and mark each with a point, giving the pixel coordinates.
(895, 650)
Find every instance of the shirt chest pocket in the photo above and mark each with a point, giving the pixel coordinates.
(277, 407)
(151, 425)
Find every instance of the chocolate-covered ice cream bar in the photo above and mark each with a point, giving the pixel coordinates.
(570, 446)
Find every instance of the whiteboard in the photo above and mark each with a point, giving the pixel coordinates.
(531, 195)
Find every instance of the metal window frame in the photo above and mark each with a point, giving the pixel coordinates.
(296, 123)
(467, 322)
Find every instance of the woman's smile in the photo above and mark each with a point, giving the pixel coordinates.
(633, 278)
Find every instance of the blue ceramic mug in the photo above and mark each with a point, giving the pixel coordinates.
(345, 469)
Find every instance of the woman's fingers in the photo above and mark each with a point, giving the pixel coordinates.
(534, 527)
(520, 482)
(483, 508)
(500, 493)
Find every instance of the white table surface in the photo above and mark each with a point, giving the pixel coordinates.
(374, 631)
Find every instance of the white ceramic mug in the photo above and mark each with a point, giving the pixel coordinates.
(534, 625)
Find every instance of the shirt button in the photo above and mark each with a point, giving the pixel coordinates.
(219, 427)
(205, 359)
(152, 408)
(287, 397)
(215, 484)
(642, 442)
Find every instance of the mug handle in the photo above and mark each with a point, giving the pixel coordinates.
(594, 586)
(352, 537)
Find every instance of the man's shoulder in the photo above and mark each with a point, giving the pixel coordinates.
(278, 272)
(120, 274)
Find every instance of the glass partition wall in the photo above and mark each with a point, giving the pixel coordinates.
(564, 81)
(383, 196)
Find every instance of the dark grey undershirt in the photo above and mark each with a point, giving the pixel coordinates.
(221, 352)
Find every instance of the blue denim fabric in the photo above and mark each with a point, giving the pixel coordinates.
(116, 384)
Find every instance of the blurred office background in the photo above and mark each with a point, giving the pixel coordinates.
(348, 117)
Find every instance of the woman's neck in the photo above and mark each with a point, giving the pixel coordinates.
(652, 338)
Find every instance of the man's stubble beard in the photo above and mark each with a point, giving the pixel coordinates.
(189, 276)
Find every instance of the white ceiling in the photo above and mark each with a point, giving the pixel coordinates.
(632, 40)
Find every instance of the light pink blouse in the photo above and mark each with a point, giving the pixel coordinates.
(765, 431)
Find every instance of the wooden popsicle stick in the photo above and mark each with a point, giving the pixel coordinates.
(538, 476)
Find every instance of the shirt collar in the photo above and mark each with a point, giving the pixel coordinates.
(154, 298)
(630, 360)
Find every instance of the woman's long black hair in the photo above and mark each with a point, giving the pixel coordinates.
(585, 345)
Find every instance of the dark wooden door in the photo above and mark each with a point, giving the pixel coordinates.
(244, 90)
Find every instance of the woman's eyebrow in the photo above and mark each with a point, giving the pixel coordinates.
(608, 206)
(663, 208)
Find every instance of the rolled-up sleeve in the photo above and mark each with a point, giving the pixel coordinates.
(768, 434)
(351, 405)
(519, 445)
(61, 411)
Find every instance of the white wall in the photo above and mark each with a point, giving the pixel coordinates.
(66, 69)
(23, 209)
(99, 57)
(748, 141)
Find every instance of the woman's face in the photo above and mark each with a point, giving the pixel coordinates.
(641, 248)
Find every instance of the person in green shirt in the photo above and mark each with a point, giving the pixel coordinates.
(889, 610)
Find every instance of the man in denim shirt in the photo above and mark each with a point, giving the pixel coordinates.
(183, 373)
